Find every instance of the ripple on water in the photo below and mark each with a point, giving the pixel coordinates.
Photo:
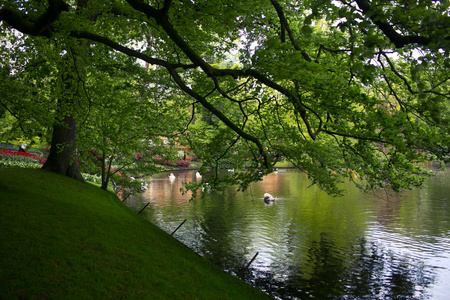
(416, 246)
(313, 246)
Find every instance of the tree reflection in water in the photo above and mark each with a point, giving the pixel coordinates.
(374, 273)
(311, 245)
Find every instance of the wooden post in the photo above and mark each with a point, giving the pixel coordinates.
(254, 257)
(178, 227)
(144, 208)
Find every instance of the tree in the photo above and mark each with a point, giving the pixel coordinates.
(24, 92)
(125, 120)
(355, 88)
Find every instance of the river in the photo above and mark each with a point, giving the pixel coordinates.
(310, 245)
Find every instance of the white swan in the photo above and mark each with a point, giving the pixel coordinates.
(268, 198)
(171, 176)
(198, 175)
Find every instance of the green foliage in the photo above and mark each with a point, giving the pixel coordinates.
(124, 122)
(357, 89)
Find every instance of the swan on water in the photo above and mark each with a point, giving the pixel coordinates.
(268, 198)
(171, 176)
(198, 175)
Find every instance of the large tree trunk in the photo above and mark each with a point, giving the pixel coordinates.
(63, 158)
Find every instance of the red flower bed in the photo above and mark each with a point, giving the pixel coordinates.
(183, 163)
(24, 154)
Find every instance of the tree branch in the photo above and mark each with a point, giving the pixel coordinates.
(128, 51)
(362, 138)
(396, 38)
(285, 25)
(220, 115)
(41, 26)
(164, 22)
(172, 70)
(166, 6)
(405, 81)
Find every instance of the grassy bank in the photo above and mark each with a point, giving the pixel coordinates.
(63, 239)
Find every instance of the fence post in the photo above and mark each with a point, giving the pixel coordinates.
(144, 208)
(254, 257)
(178, 227)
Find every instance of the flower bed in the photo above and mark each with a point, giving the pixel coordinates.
(20, 159)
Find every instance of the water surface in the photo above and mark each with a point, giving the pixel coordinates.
(311, 245)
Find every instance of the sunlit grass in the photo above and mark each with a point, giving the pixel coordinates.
(284, 164)
(64, 239)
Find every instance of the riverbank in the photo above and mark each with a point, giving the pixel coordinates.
(64, 239)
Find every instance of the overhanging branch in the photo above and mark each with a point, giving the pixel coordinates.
(41, 27)
(396, 38)
(285, 25)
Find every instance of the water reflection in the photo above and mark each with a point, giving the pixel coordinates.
(310, 245)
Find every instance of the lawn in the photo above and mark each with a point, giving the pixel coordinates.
(64, 239)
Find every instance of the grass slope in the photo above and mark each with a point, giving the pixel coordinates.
(64, 239)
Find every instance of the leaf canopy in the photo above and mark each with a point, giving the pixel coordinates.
(358, 89)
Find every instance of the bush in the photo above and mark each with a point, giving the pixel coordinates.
(92, 178)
